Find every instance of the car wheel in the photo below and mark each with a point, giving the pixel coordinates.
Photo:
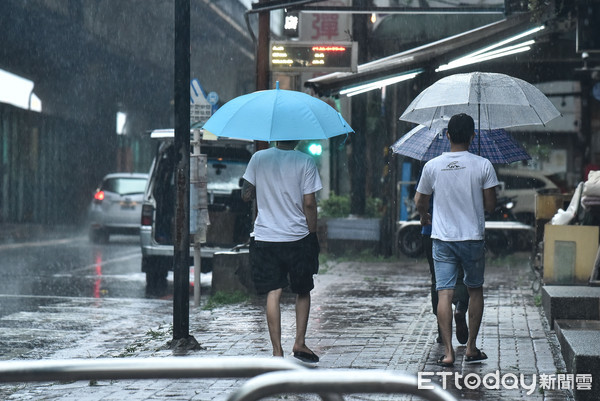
(410, 241)
(156, 272)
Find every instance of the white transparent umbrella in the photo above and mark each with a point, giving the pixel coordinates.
(494, 100)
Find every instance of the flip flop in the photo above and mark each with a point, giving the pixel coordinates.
(440, 362)
(478, 358)
(462, 331)
(306, 357)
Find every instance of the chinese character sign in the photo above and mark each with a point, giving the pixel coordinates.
(290, 24)
(327, 27)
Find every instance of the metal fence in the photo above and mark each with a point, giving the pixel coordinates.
(269, 376)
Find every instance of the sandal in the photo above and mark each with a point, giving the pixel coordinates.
(306, 357)
(477, 358)
(443, 364)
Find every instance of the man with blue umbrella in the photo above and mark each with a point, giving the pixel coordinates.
(464, 187)
(284, 248)
(283, 182)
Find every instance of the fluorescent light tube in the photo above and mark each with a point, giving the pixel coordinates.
(505, 51)
(483, 57)
(378, 84)
(506, 41)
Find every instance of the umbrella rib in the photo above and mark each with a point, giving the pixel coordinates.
(433, 116)
(537, 114)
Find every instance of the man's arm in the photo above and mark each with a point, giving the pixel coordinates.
(248, 191)
(489, 199)
(309, 203)
(422, 204)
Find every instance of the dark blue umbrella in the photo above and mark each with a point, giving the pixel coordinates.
(424, 143)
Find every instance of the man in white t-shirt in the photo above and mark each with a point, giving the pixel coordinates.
(284, 242)
(464, 186)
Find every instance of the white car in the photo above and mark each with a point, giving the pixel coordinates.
(522, 185)
(116, 207)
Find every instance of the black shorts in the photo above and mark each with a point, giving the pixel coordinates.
(273, 262)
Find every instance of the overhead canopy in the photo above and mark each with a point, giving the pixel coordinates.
(427, 56)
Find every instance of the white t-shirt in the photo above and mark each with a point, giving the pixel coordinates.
(281, 178)
(457, 181)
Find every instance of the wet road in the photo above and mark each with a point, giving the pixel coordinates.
(37, 273)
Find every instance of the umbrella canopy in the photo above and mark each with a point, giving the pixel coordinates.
(277, 115)
(495, 100)
(424, 143)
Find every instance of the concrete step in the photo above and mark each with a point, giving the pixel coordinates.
(577, 302)
(580, 346)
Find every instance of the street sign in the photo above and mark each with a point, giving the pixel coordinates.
(212, 98)
(200, 108)
(291, 24)
(310, 56)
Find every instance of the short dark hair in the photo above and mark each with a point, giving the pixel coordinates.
(461, 128)
(292, 143)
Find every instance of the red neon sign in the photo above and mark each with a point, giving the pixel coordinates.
(329, 49)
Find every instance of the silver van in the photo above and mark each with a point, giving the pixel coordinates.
(230, 217)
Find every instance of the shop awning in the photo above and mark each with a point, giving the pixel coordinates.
(423, 57)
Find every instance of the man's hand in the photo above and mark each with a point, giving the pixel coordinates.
(426, 219)
(314, 242)
(422, 204)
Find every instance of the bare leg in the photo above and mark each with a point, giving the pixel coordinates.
(274, 320)
(475, 315)
(444, 315)
(302, 312)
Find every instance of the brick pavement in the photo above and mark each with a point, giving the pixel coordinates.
(364, 315)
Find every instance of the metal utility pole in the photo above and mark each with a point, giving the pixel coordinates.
(262, 59)
(181, 265)
(358, 142)
(262, 49)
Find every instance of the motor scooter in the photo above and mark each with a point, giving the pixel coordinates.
(504, 234)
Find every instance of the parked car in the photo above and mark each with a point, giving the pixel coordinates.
(522, 186)
(230, 217)
(116, 206)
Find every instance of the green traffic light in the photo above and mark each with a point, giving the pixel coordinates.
(315, 149)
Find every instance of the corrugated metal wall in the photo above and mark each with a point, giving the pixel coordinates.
(49, 167)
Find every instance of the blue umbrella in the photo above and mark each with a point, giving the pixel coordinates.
(277, 115)
(424, 143)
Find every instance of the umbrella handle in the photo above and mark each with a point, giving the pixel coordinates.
(479, 129)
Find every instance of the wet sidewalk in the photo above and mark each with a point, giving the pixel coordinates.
(364, 315)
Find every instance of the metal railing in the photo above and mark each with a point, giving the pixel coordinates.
(141, 368)
(338, 382)
(268, 375)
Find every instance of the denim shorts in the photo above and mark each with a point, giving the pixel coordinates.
(447, 256)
